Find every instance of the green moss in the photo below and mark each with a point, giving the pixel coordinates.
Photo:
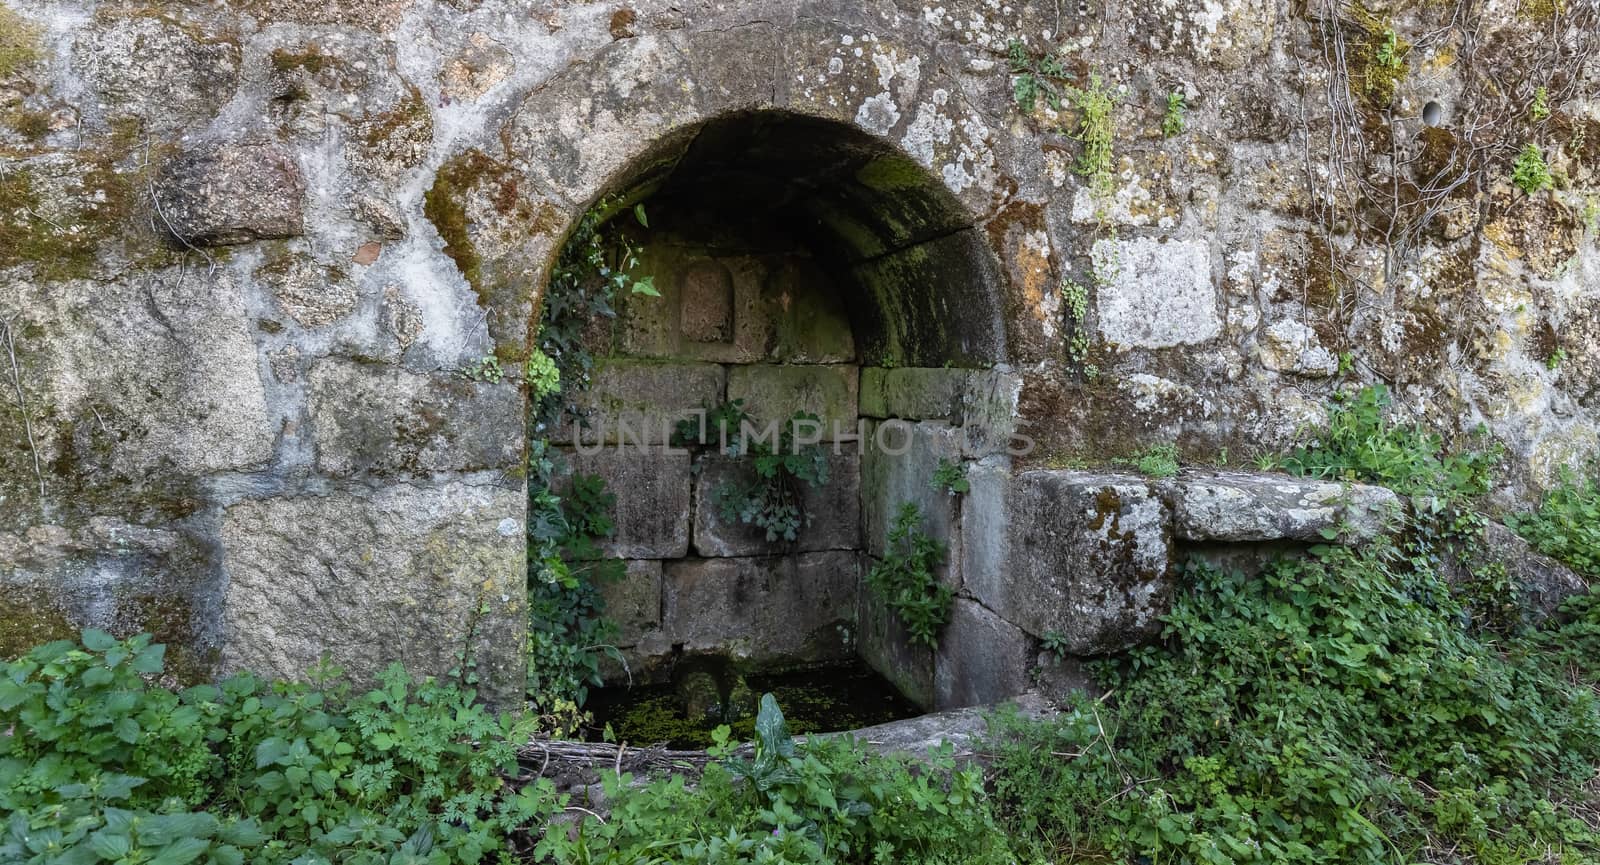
(1377, 64)
(19, 43)
(64, 246)
(29, 617)
(444, 204)
(892, 173)
(310, 58)
(32, 125)
(402, 121)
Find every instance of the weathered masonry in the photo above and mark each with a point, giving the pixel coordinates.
(247, 250)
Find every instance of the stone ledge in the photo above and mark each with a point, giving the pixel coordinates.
(1244, 506)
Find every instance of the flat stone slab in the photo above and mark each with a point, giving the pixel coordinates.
(634, 602)
(833, 510)
(385, 420)
(897, 467)
(405, 573)
(1241, 506)
(794, 609)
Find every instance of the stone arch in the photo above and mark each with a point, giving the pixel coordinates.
(900, 221)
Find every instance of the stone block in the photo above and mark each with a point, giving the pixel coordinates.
(710, 308)
(1057, 677)
(897, 467)
(886, 647)
(833, 510)
(232, 192)
(634, 602)
(772, 610)
(1543, 583)
(1081, 554)
(914, 393)
(982, 658)
(639, 402)
(1155, 294)
(774, 393)
(1240, 506)
(385, 420)
(989, 411)
(403, 573)
(652, 490)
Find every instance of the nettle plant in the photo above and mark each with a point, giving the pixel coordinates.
(783, 459)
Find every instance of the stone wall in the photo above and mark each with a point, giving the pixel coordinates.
(247, 248)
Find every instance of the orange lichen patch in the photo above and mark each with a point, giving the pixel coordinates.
(367, 253)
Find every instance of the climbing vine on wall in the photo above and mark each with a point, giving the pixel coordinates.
(569, 634)
(597, 264)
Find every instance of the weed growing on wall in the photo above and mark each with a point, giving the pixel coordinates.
(1529, 172)
(1158, 461)
(1567, 524)
(950, 476)
(905, 579)
(1172, 124)
(774, 501)
(1362, 444)
(568, 634)
(1331, 709)
(598, 264)
(1096, 130)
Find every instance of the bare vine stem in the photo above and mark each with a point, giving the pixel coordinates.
(7, 330)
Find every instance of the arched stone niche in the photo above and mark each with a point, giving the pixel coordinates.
(803, 265)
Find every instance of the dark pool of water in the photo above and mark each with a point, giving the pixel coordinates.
(813, 701)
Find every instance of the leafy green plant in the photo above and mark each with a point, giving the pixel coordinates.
(950, 476)
(773, 499)
(1539, 109)
(906, 581)
(542, 375)
(1075, 303)
(1033, 77)
(1567, 524)
(825, 801)
(1330, 709)
(99, 765)
(1556, 359)
(1157, 461)
(1529, 172)
(1172, 124)
(1096, 130)
(598, 264)
(485, 368)
(1055, 643)
(569, 634)
(1361, 444)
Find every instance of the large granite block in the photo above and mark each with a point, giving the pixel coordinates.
(982, 658)
(1084, 555)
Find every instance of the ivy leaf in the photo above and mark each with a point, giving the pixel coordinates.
(646, 286)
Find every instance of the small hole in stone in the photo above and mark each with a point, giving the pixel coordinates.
(1432, 113)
